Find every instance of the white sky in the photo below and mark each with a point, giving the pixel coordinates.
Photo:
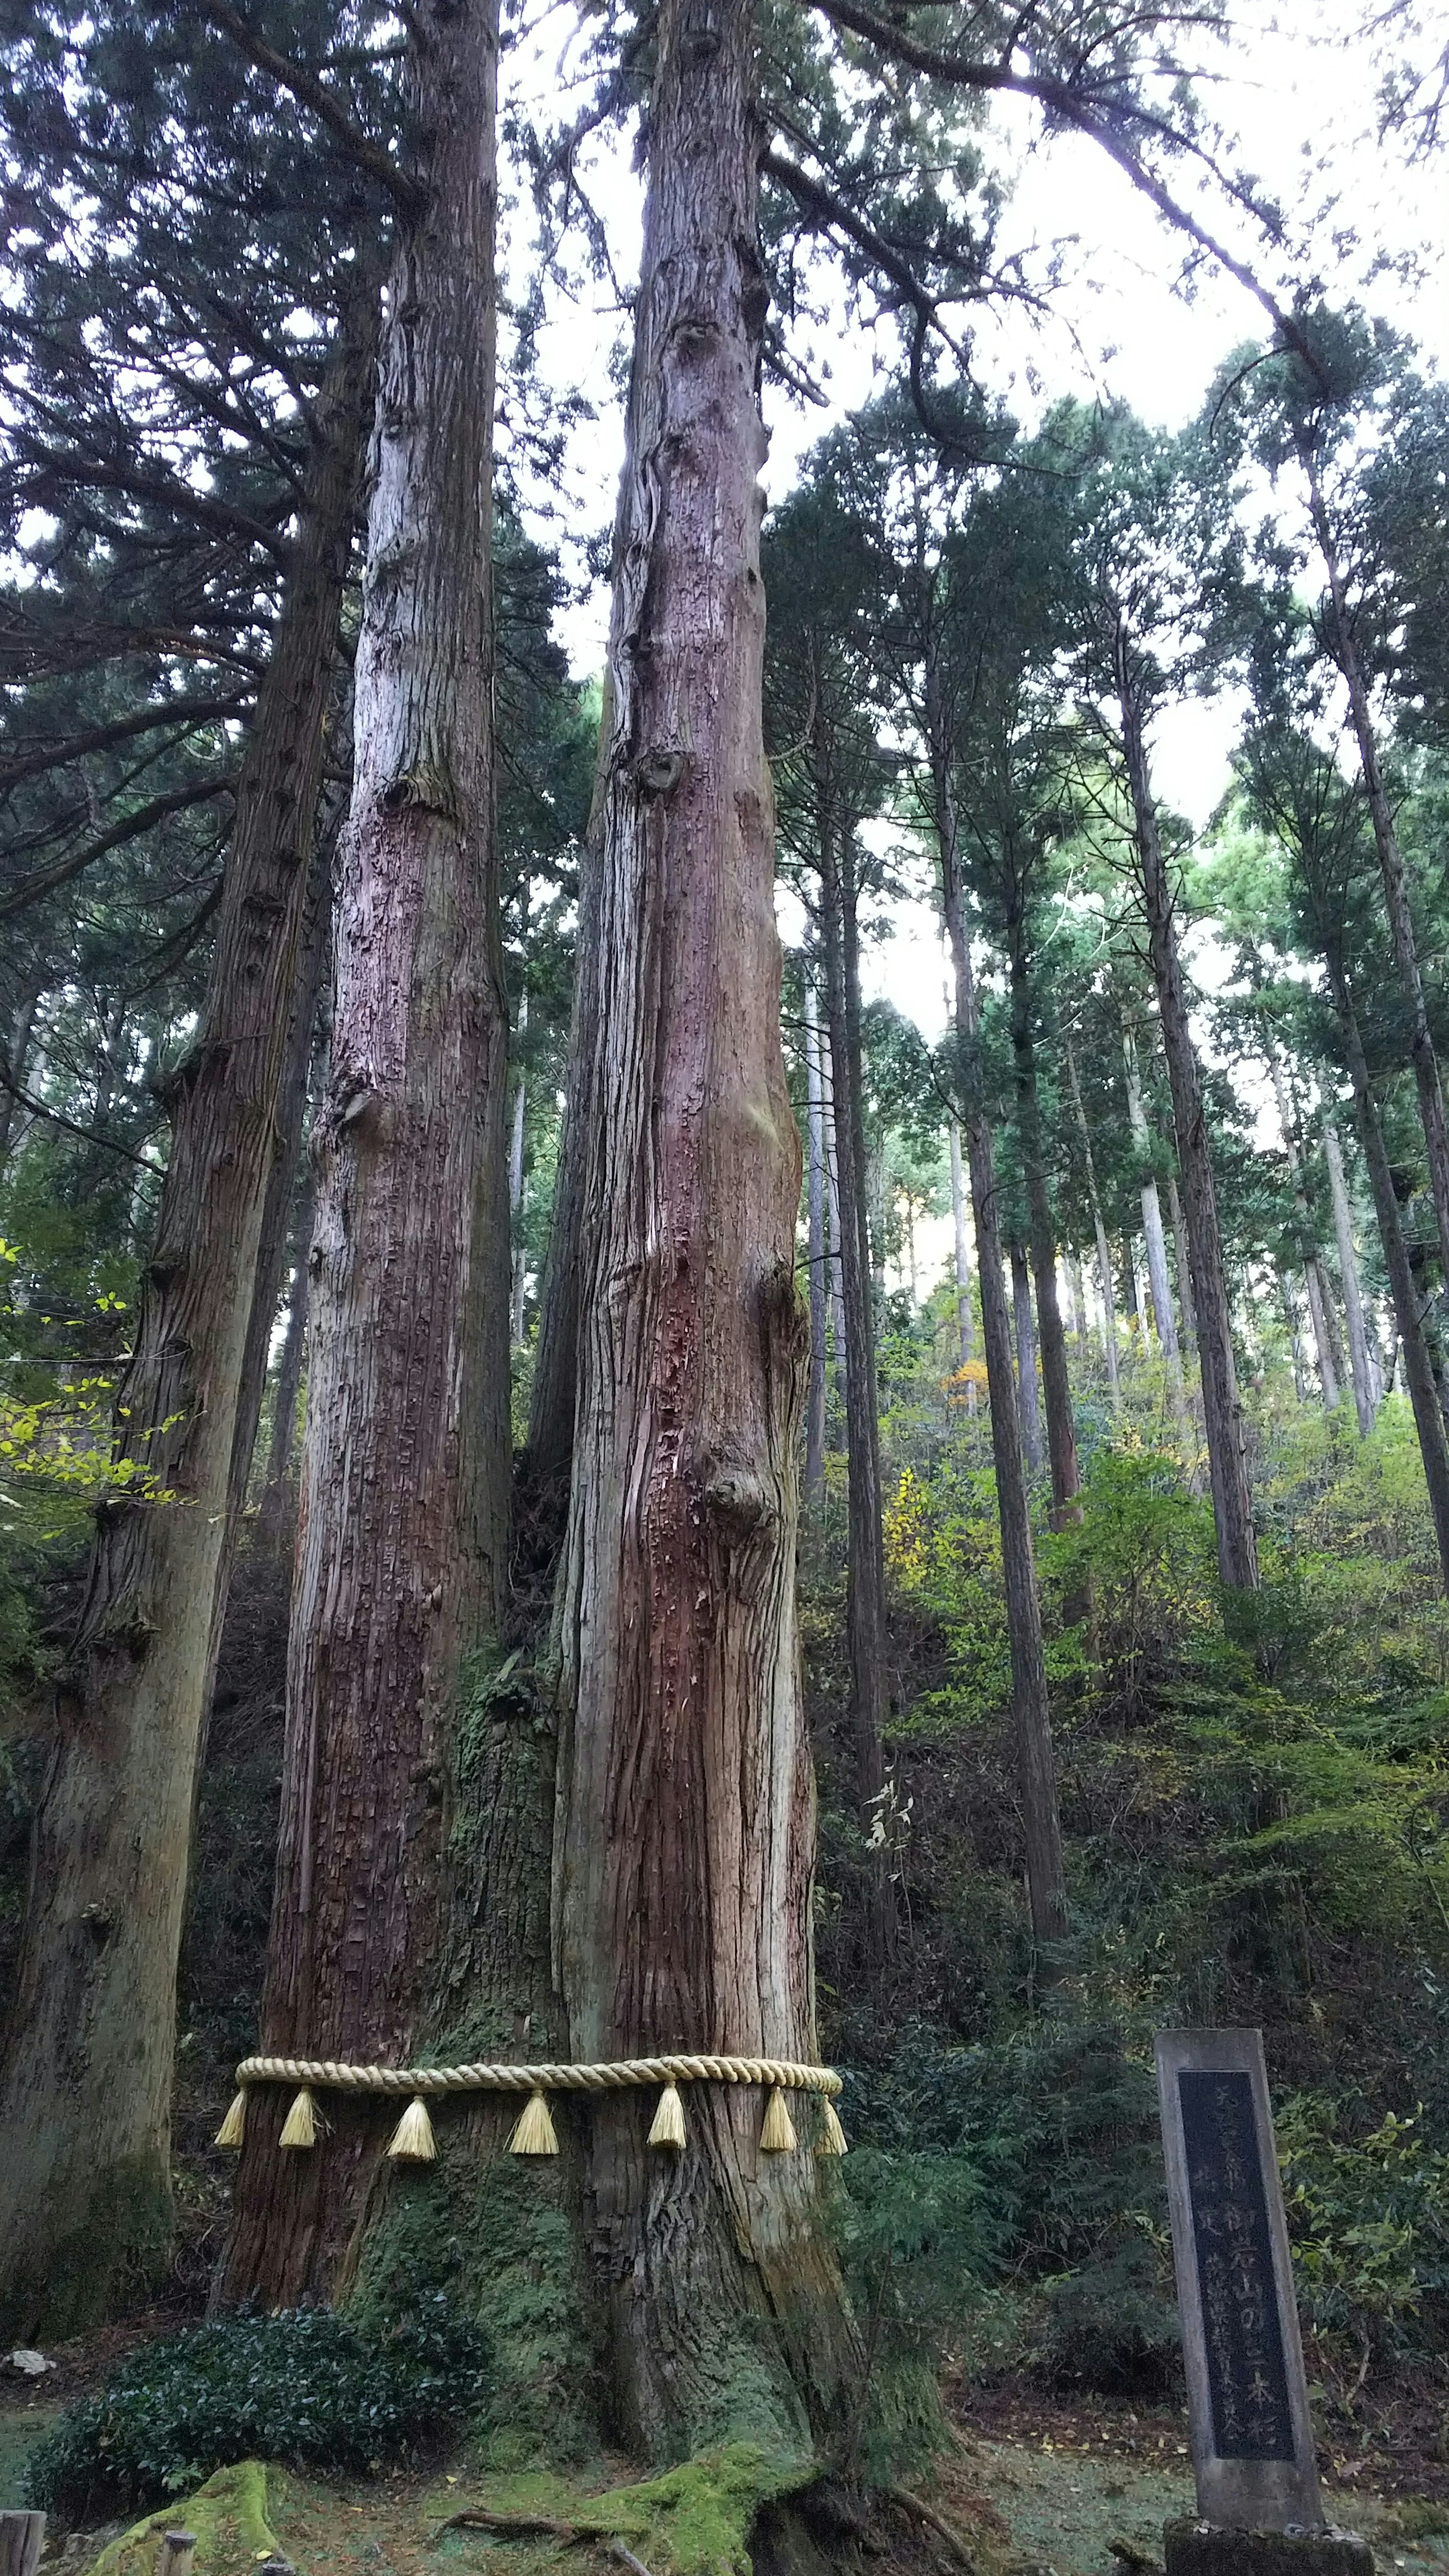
(1296, 89)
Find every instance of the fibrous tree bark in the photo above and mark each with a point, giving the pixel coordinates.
(1222, 1405)
(404, 1476)
(1358, 1344)
(684, 1822)
(86, 2089)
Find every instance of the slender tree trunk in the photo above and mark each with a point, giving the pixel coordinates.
(555, 1374)
(401, 1550)
(1056, 1384)
(1027, 1395)
(1078, 1295)
(515, 1189)
(86, 2090)
(1391, 866)
(685, 1807)
(1156, 1243)
(1318, 1313)
(1036, 1762)
(1104, 1249)
(965, 1336)
(1295, 1339)
(816, 1251)
(282, 1180)
(865, 1556)
(1417, 1365)
(1222, 1405)
(832, 1211)
(272, 1513)
(13, 1069)
(1358, 1346)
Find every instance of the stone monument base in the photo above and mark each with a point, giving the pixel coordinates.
(1215, 2549)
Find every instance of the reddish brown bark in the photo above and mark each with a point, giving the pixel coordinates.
(685, 1816)
(86, 2091)
(401, 1522)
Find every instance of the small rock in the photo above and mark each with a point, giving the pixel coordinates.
(31, 2365)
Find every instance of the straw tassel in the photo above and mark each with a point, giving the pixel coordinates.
(668, 2129)
(832, 2139)
(300, 2127)
(413, 2138)
(778, 2134)
(534, 2135)
(234, 2127)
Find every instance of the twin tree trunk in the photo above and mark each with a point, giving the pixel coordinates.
(85, 2098)
(1222, 1405)
(684, 1833)
(403, 1492)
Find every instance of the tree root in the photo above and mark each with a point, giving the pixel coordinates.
(534, 2526)
(921, 2512)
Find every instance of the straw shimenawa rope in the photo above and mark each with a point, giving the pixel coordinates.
(534, 2134)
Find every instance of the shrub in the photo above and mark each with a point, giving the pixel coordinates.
(306, 2386)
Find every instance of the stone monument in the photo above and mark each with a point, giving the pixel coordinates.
(1259, 2510)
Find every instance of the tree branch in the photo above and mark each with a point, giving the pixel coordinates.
(46, 880)
(308, 91)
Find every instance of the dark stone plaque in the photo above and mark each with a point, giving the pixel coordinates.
(1247, 2399)
(1246, 2369)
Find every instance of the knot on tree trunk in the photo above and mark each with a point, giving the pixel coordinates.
(739, 1502)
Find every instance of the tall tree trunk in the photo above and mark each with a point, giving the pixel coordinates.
(1417, 1365)
(816, 1251)
(515, 1189)
(965, 1336)
(685, 1806)
(1313, 1281)
(1391, 865)
(1027, 1396)
(1358, 1346)
(401, 1552)
(865, 1550)
(1036, 1762)
(272, 1513)
(555, 1374)
(1104, 1249)
(13, 1068)
(291, 1117)
(834, 1233)
(1222, 1405)
(1156, 1242)
(86, 2089)
(1056, 1384)
(1295, 1339)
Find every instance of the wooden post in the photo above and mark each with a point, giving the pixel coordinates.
(21, 2535)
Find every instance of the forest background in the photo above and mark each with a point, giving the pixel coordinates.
(1126, 1269)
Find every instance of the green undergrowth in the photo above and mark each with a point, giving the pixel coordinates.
(307, 2385)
